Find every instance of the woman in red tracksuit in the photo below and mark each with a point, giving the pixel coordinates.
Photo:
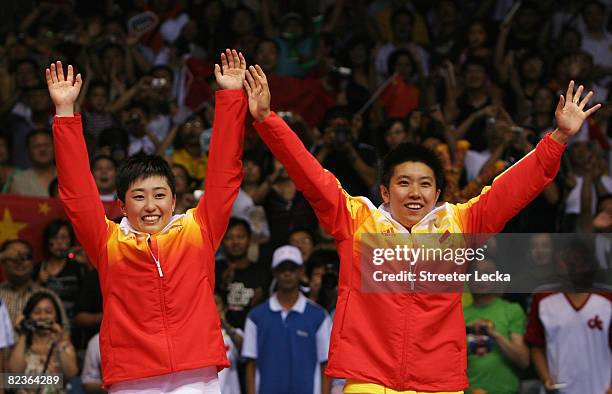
(160, 331)
(405, 342)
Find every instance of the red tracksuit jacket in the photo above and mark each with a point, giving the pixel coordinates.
(156, 321)
(405, 341)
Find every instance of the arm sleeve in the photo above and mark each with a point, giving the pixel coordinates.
(513, 189)
(249, 343)
(77, 189)
(534, 335)
(91, 365)
(323, 337)
(517, 319)
(224, 168)
(6, 328)
(335, 209)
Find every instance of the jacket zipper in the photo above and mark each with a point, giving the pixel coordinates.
(157, 263)
(162, 302)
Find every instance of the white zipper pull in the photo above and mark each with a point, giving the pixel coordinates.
(161, 274)
(159, 270)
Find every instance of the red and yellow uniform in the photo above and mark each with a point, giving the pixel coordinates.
(159, 310)
(402, 341)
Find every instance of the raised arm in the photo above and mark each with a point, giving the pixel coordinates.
(77, 188)
(520, 184)
(224, 168)
(336, 210)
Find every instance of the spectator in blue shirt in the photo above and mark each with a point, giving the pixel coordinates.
(286, 339)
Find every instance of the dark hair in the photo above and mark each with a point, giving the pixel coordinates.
(36, 132)
(590, 3)
(97, 83)
(13, 66)
(601, 200)
(178, 141)
(53, 188)
(142, 166)
(302, 229)
(97, 158)
(267, 40)
(486, 26)
(136, 104)
(191, 181)
(338, 111)
(394, 57)
(34, 300)
(163, 67)
(51, 230)
(9, 242)
(399, 12)
(411, 152)
(235, 221)
(567, 29)
(474, 61)
(111, 45)
(9, 144)
(114, 137)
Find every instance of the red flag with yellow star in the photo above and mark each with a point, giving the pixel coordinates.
(25, 218)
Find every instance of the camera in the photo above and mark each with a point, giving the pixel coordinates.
(133, 121)
(286, 116)
(342, 72)
(29, 325)
(158, 82)
(342, 135)
(477, 330)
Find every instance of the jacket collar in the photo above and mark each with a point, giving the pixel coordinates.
(386, 212)
(127, 228)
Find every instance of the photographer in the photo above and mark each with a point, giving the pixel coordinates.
(136, 121)
(341, 153)
(42, 346)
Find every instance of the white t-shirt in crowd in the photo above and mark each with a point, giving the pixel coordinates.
(474, 161)
(228, 378)
(6, 328)
(572, 202)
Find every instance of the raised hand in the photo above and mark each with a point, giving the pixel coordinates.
(230, 74)
(256, 86)
(570, 112)
(63, 91)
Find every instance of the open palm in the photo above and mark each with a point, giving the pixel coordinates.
(570, 112)
(63, 91)
(258, 92)
(231, 73)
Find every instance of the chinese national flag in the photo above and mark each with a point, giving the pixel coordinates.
(26, 217)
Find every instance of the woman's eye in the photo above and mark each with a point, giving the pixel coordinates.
(160, 195)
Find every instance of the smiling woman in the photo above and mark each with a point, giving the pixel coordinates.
(160, 329)
(147, 191)
(370, 324)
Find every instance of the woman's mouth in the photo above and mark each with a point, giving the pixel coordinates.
(414, 206)
(150, 219)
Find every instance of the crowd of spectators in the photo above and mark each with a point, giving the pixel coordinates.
(477, 81)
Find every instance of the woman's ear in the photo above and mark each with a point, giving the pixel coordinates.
(384, 192)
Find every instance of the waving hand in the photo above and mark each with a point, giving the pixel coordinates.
(63, 91)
